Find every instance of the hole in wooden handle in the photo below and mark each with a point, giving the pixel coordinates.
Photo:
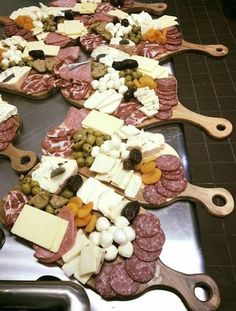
(219, 49)
(219, 200)
(203, 291)
(221, 127)
(24, 160)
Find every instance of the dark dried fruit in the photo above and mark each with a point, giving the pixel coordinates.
(124, 41)
(131, 210)
(37, 54)
(125, 64)
(74, 183)
(127, 164)
(58, 18)
(115, 20)
(124, 22)
(129, 94)
(135, 156)
(69, 15)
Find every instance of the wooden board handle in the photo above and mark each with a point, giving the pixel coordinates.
(22, 161)
(185, 284)
(216, 50)
(153, 8)
(4, 20)
(206, 197)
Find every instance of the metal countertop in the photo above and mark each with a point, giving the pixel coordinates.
(182, 250)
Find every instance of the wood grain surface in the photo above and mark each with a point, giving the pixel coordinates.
(152, 8)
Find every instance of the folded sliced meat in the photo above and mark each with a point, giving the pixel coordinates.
(101, 17)
(14, 203)
(36, 82)
(77, 90)
(150, 50)
(83, 72)
(70, 53)
(135, 118)
(54, 38)
(104, 7)
(125, 109)
(75, 117)
(86, 19)
(90, 41)
(63, 3)
(68, 241)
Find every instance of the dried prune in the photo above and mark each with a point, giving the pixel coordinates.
(37, 54)
(135, 156)
(127, 164)
(74, 183)
(124, 22)
(131, 210)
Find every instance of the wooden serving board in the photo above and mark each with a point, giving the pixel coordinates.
(36, 96)
(218, 128)
(152, 8)
(22, 161)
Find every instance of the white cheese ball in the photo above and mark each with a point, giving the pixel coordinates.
(106, 239)
(120, 237)
(122, 81)
(94, 237)
(130, 233)
(121, 222)
(5, 62)
(114, 154)
(124, 154)
(95, 151)
(105, 147)
(122, 89)
(95, 84)
(126, 250)
(111, 70)
(102, 224)
(110, 84)
(112, 229)
(111, 253)
(102, 87)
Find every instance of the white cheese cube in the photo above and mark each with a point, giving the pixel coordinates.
(102, 164)
(71, 267)
(90, 259)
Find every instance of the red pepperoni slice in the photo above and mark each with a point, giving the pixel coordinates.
(121, 282)
(173, 176)
(7, 136)
(146, 225)
(152, 196)
(102, 284)
(145, 255)
(175, 185)
(153, 243)
(168, 163)
(140, 271)
(164, 114)
(165, 192)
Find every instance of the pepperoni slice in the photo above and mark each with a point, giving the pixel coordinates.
(165, 192)
(145, 255)
(102, 284)
(171, 176)
(121, 282)
(152, 196)
(175, 185)
(146, 225)
(140, 271)
(168, 163)
(164, 114)
(153, 243)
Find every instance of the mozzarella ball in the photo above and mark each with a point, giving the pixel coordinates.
(105, 147)
(95, 151)
(121, 222)
(111, 253)
(111, 70)
(124, 154)
(94, 237)
(114, 154)
(120, 237)
(112, 229)
(122, 81)
(102, 86)
(122, 89)
(110, 84)
(126, 250)
(116, 83)
(130, 233)
(102, 224)
(106, 239)
(109, 26)
(95, 84)
(5, 62)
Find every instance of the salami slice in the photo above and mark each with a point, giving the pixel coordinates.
(168, 162)
(173, 176)
(7, 136)
(8, 124)
(153, 243)
(166, 83)
(121, 282)
(164, 107)
(172, 30)
(169, 102)
(135, 118)
(152, 196)
(102, 284)
(3, 145)
(175, 185)
(164, 114)
(171, 47)
(140, 271)
(165, 192)
(146, 225)
(145, 255)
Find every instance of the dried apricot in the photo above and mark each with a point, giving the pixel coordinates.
(152, 177)
(92, 224)
(82, 222)
(147, 81)
(85, 210)
(148, 167)
(73, 207)
(77, 201)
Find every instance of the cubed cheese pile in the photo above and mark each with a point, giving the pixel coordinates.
(12, 50)
(148, 99)
(107, 234)
(118, 31)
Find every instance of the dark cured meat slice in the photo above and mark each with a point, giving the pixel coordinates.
(8, 124)
(153, 243)
(171, 47)
(166, 82)
(47, 256)
(102, 17)
(172, 30)
(71, 53)
(54, 38)
(164, 107)
(164, 114)
(168, 162)
(169, 102)
(104, 7)
(145, 255)
(165, 92)
(165, 192)
(86, 19)
(120, 281)
(172, 176)
(166, 96)
(3, 145)
(102, 284)
(125, 109)
(152, 196)
(175, 185)
(174, 36)
(90, 41)
(146, 225)
(7, 136)
(140, 271)
(14, 203)
(75, 117)
(174, 41)
(135, 118)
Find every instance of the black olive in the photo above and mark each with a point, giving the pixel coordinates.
(57, 18)
(118, 65)
(69, 15)
(131, 210)
(74, 183)
(135, 156)
(124, 41)
(115, 20)
(37, 54)
(127, 164)
(124, 22)
(115, 3)
(130, 63)
(129, 94)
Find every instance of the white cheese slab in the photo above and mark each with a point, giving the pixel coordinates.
(88, 186)
(19, 75)
(145, 63)
(118, 13)
(90, 259)
(73, 27)
(133, 186)
(85, 8)
(6, 111)
(71, 267)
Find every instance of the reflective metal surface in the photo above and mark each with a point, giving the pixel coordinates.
(182, 250)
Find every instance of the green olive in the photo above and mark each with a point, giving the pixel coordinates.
(89, 161)
(12, 64)
(49, 209)
(43, 19)
(106, 137)
(26, 188)
(34, 183)
(99, 141)
(36, 190)
(21, 63)
(134, 75)
(86, 154)
(97, 134)
(90, 131)
(128, 78)
(56, 211)
(78, 154)
(129, 83)
(78, 146)
(66, 193)
(27, 179)
(139, 74)
(87, 147)
(91, 139)
(121, 74)
(80, 162)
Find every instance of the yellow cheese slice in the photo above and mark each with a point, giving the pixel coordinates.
(85, 8)
(73, 27)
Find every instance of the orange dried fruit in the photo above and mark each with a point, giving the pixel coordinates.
(147, 81)
(151, 177)
(73, 207)
(82, 222)
(148, 167)
(92, 224)
(85, 210)
(77, 201)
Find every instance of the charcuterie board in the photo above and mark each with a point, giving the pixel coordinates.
(218, 128)
(21, 160)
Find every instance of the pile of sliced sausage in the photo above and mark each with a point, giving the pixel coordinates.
(171, 183)
(125, 277)
(8, 130)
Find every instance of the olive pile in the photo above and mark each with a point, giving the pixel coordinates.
(130, 75)
(84, 140)
(134, 34)
(49, 24)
